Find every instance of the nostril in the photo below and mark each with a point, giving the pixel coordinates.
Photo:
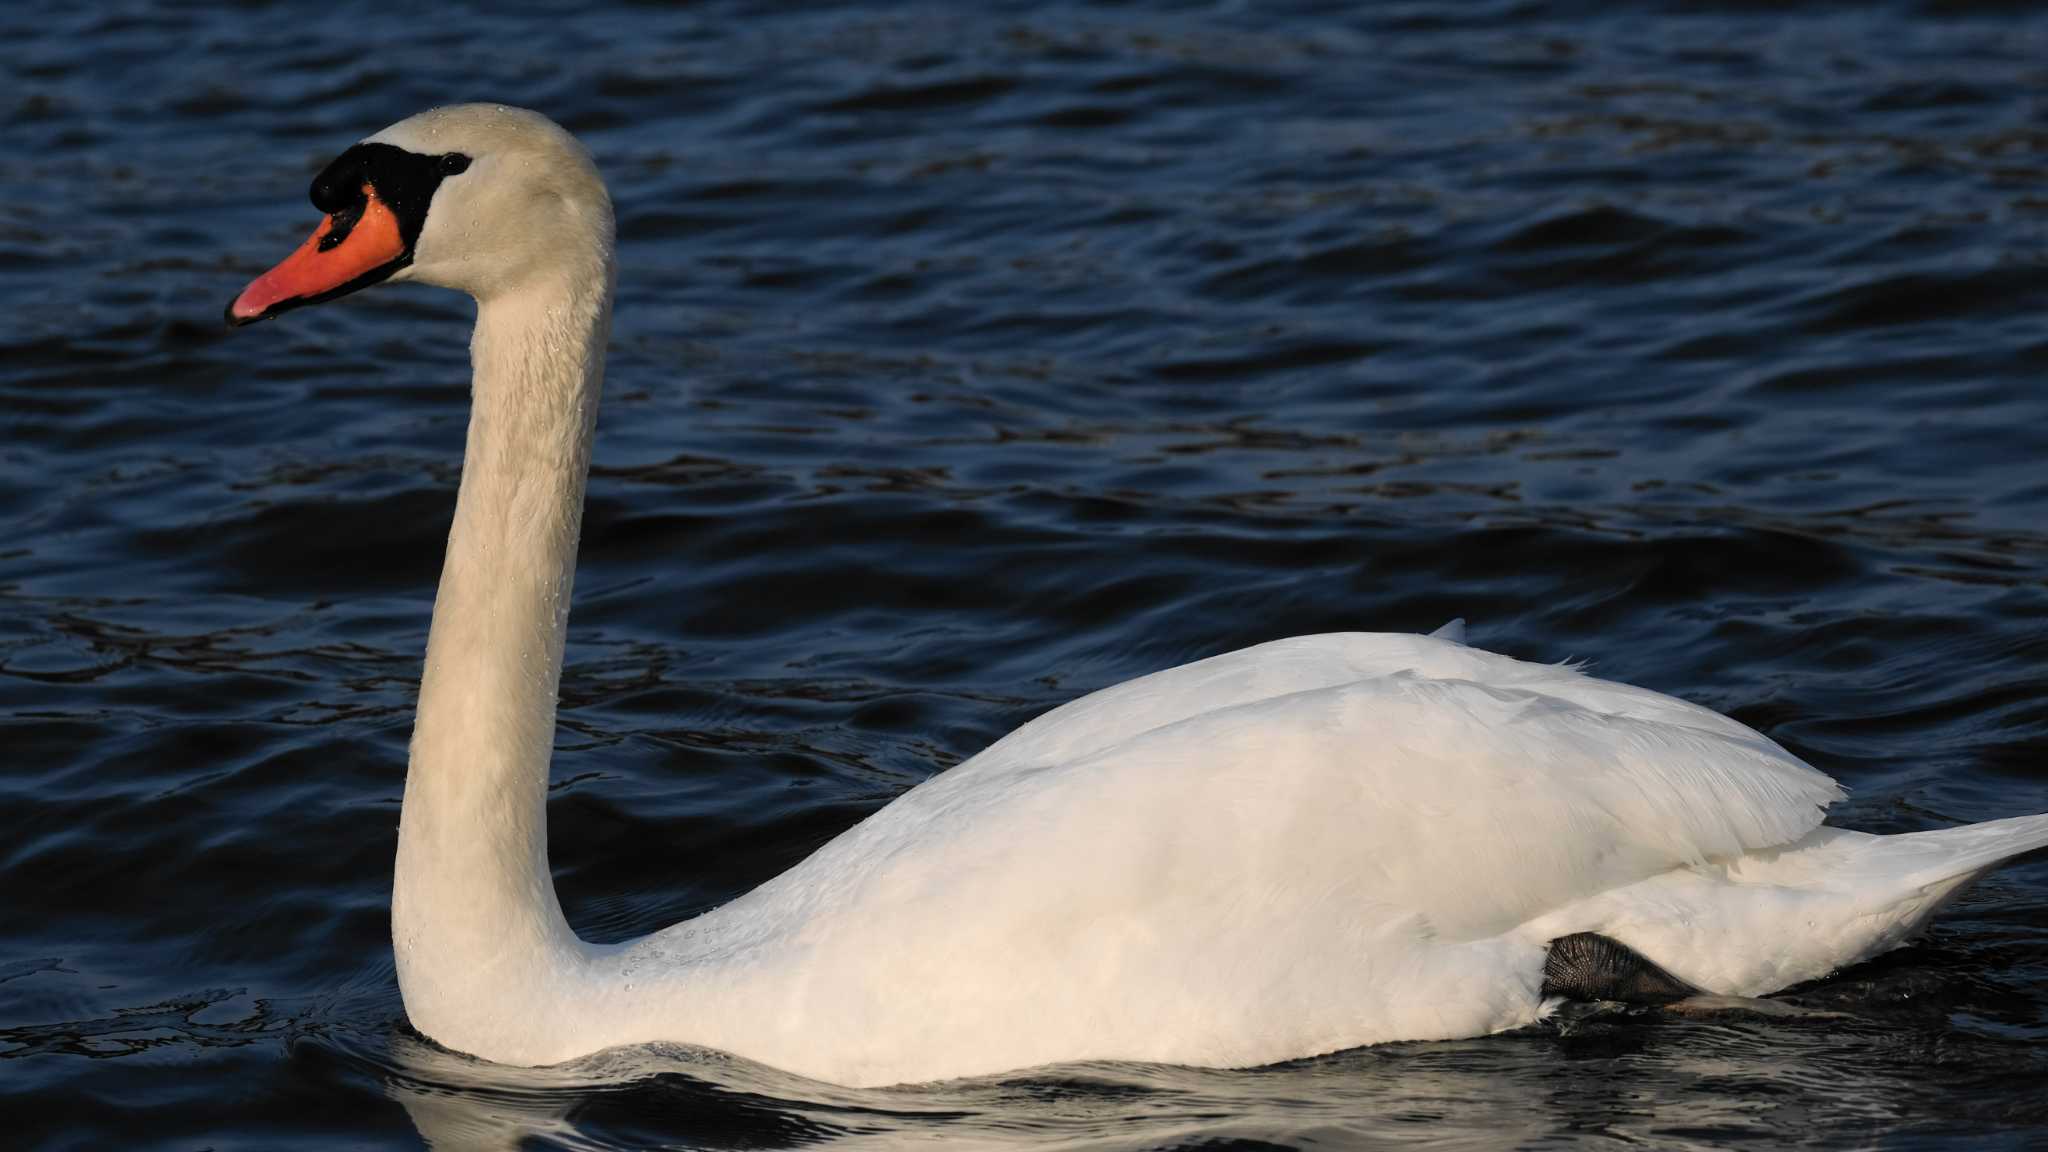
(341, 222)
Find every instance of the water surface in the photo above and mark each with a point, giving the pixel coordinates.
(969, 358)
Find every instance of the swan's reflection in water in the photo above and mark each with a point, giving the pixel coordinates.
(674, 1097)
(1623, 1079)
(656, 1095)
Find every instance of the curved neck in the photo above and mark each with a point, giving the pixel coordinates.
(473, 903)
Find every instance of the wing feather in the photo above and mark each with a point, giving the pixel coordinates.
(1362, 777)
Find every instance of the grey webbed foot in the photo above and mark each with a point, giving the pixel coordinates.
(1589, 966)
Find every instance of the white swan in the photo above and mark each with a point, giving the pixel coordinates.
(1308, 845)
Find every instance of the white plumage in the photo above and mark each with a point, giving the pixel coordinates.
(1303, 846)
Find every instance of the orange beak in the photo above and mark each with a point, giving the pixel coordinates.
(339, 257)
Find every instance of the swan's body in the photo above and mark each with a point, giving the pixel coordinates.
(1304, 846)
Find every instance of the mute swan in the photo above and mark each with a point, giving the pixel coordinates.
(1308, 845)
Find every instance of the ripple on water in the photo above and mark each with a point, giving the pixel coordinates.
(965, 361)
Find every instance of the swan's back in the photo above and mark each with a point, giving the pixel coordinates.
(1414, 746)
(1212, 862)
(1306, 663)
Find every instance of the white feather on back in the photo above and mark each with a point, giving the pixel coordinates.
(1472, 786)
(1278, 850)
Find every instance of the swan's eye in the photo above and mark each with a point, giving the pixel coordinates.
(453, 163)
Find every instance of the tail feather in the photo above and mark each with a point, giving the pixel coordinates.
(1927, 858)
(1912, 876)
(1837, 898)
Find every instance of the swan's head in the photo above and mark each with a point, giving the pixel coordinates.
(481, 198)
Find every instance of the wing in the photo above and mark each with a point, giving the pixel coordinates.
(1409, 775)
(1303, 663)
(1300, 847)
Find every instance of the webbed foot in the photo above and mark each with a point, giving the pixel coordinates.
(1589, 966)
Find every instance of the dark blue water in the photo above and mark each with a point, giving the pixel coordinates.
(968, 359)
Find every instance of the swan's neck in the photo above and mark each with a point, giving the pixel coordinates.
(474, 912)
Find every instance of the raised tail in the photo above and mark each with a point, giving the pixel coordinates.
(1961, 854)
(1893, 885)
(1771, 919)
(1886, 888)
